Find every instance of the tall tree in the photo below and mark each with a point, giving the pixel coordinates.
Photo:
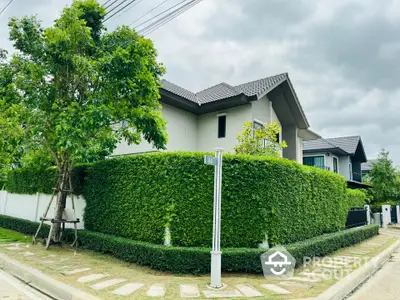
(67, 86)
(260, 140)
(383, 177)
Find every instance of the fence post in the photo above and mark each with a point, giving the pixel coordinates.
(368, 212)
(398, 213)
(386, 215)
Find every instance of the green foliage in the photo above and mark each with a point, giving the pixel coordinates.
(197, 260)
(135, 197)
(32, 181)
(356, 198)
(384, 178)
(260, 141)
(65, 89)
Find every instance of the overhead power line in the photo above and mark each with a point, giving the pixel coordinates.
(109, 5)
(125, 11)
(161, 13)
(105, 3)
(151, 10)
(167, 18)
(115, 7)
(119, 10)
(5, 7)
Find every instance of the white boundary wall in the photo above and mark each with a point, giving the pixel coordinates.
(32, 207)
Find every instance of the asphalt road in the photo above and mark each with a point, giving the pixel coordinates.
(13, 289)
(384, 284)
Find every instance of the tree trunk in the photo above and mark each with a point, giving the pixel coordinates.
(62, 192)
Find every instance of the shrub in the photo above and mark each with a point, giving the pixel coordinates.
(356, 198)
(138, 196)
(32, 181)
(197, 260)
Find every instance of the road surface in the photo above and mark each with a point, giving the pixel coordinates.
(385, 284)
(13, 289)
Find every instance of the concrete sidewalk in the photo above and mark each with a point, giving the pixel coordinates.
(384, 284)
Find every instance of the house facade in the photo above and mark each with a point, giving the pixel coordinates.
(342, 155)
(213, 117)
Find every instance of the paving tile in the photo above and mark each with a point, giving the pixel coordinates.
(26, 254)
(304, 279)
(106, 284)
(189, 291)
(156, 290)
(75, 271)
(328, 266)
(128, 289)
(14, 248)
(248, 290)
(222, 294)
(46, 262)
(91, 277)
(276, 289)
(296, 284)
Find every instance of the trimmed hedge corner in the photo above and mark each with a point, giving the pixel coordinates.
(197, 260)
(138, 196)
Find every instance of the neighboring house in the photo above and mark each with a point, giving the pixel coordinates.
(213, 117)
(367, 167)
(342, 155)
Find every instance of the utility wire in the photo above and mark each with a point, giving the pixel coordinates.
(136, 3)
(161, 13)
(111, 4)
(5, 7)
(105, 3)
(154, 8)
(119, 10)
(115, 7)
(164, 20)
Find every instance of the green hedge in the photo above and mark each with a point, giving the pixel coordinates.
(138, 196)
(197, 260)
(32, 181)
(356, 198)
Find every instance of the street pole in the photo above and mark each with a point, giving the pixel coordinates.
(216, 249)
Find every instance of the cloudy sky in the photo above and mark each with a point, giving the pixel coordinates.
(343, 57)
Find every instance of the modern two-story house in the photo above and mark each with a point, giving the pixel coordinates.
(213, 117)
(342, 155)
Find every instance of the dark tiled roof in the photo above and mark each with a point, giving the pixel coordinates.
(260, 86)
(367, 166)
(177, 90)
(216, 92)
(224, 90)
(318, 144)
(348, 144)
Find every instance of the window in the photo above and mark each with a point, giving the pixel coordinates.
(335, 165)
(221, 126)
(315, 161)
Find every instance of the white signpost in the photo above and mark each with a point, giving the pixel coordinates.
(216, 249)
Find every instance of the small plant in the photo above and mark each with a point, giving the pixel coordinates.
(260, 141)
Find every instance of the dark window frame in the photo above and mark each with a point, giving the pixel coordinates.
(221, 126)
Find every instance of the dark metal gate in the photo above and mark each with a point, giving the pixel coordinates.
(356, 217)
(393, 214)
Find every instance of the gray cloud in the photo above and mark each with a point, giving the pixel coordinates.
(342, 56)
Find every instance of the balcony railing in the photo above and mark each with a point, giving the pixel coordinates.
(356, 177)
(324, 168)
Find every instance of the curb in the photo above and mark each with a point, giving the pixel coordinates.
(348, 284)
(42, 282)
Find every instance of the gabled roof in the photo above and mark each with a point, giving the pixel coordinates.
(349, 145)
(368, 166)
(224, 90)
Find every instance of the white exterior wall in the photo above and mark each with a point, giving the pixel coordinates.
(207, 126)
(181, 129)
(344, 162)
(32, 207)
(299, 148)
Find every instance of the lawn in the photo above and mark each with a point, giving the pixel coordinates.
(9, 236)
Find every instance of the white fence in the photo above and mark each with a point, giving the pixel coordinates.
(32, 207)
